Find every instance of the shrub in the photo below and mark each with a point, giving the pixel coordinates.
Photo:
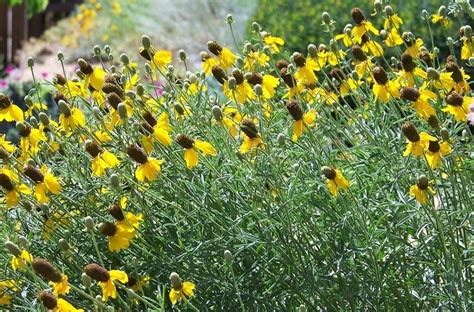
(268, 181)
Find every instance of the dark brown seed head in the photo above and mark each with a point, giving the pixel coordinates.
(410, 94)
(357, 16)
(410, 132)
(239, 76)
(214, 47)
(282, 64)
(113, 78)
(426, 57)
(150, 119)
(86, 68)
(295, 110)
(249, 128)
(433, 122)
(147, 54)
(48, 300)
(107, 228)
(97, 272)
(205, 56)
(185, 141)
(380, 75)
(116, 212)
(59, 96)
(407, 62)
(422, 183)
(287, 78)
(338, 74)
(364, 39)
(4, 101)
(137, 153)
(60, 80)
(25, 130)
(92, 148)
(33, 173)
(255, 78)
(329, 172)
(46, 270)
(6, 183)
(452, 67)
(299, 59)
(131, 282)
(114, 100)
(146, 128)
(434, 146)
(219, 74)
(112, 87)
(358, 53)
(454, 99)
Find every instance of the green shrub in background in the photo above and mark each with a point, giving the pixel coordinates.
(299, 22)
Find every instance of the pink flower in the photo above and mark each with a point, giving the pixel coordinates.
(470, 116)
(159, 89)
(3, 84)
(44, 75)
(9, 69)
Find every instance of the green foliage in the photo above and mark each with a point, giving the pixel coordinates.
(34, 6)
(299, 22)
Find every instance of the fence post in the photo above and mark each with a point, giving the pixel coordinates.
(3, 33)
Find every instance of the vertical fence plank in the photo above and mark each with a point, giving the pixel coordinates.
(3, 32)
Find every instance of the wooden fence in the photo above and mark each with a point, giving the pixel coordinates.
(16, 26)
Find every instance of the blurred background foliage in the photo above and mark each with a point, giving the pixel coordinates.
(34, 6)
(299, 22)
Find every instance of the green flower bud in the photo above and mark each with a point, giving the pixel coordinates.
(256, 27)
(312, 50)
(232, 83)
(63, 244)
(182, 55)
(258, 90)
(64, 108)
(44, 119)
(60, 56)
(229, 19)
(442, 10)
(86, 281)
(97, 50)
(281, 138)
(389, 10)
(124, 59)
(89, 223)
(146, 42)
(228, 257)
(217, 112)
(115, 181)
(34, 121)
(122, 111)
(28, 100)
(107, 49)
(23, 241)
(326, 18)
(30, 62)
(444, 134)
(468, 32)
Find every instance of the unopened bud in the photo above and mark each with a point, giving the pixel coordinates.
(433, 74)
(281, 138)
(217, 112)
(182, 55)
(228, 257)
(30, 62)
(23, 241)
(388, 10)
(107, 49)
(115, 181)
(12, 248)
(60, 56)
(146, 41)
(124, 59)
(444, 134)
(256, 27)
(64, 108)
(97, 50)
(229, 19)
(44, 119)
(468, 32)
(175, 280)
(63, 244)
(89, 223)
(312, 50)
(122, 110)
(232, 83)
(258, 90)
(86, 280)
(326, 18)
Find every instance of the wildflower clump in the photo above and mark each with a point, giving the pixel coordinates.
(146, 167)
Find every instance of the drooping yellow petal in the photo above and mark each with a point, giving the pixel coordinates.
(205, 147)
(190, 157)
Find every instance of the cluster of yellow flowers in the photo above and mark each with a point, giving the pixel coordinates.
(118, 124)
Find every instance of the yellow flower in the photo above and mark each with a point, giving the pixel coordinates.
(9, 181)
(252, 139)
(208, 62)
(161, 59)
(97, 78)
(458, 106)
(45, 182)
(191, 147)
(72, 119)
(273, 43)
(359, 30)
(118, 235)
(106, 279)
(335, 180)
(54, 304)
(7, 145)
(417, 142)
(435, 151)
(414, 47)
(61, 287)
(243, 92)
(30, 139)
(393, 38)
(420, 189)
(302, 120)
(35, 107)
(383, 88)
(305, 69)
(393, 21)
(255, 57)
(373, 46)
(438, 18)
(180, 290)
(346, 39)
(102, 159)
(5, 286)
(467, 50)
(148, 168)
(420, 101)
(8, 110)
(19, 262)
(138, 285)
(231, 120)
